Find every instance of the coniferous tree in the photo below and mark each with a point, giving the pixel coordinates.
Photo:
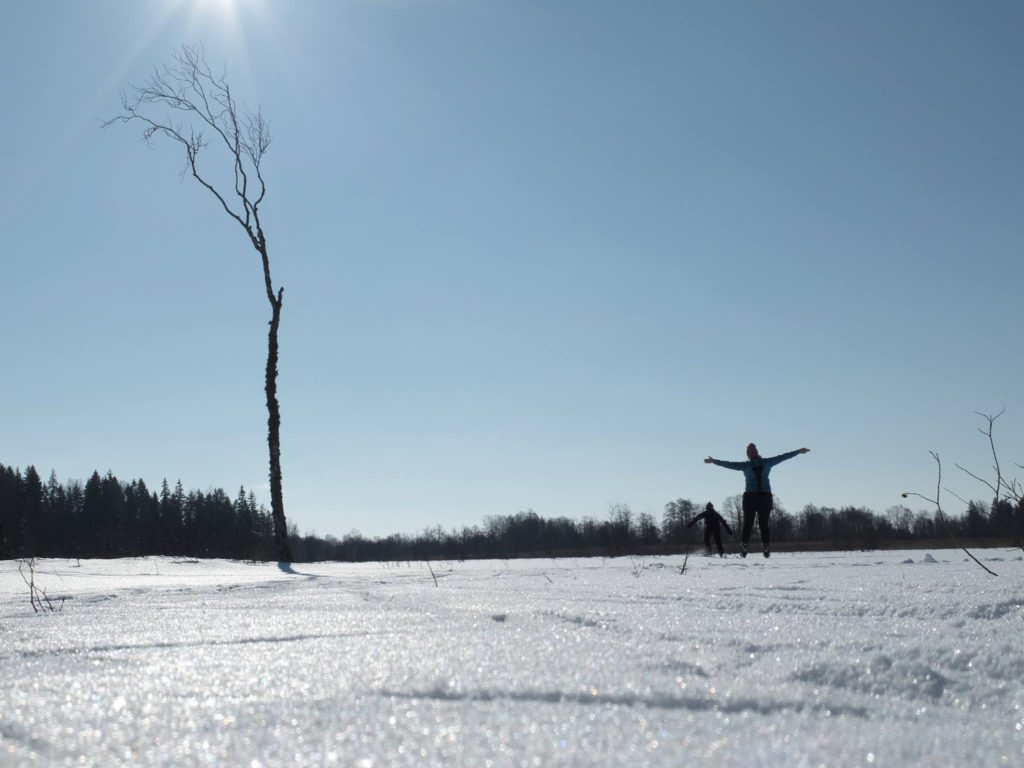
(114, 515)
(57, 515)
(11, 514)
(91, 523)
(166, 521)
(1001, 518)
(76, 513)
(975, 522)
(186, 528)
(33, 522)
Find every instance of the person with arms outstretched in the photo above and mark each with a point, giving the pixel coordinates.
(713, 523)
(757, 496)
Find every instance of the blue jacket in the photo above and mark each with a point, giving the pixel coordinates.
(755, 472)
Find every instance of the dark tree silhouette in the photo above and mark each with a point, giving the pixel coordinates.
(189, 89)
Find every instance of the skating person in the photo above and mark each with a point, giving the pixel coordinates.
(713, 524)
(757, 498)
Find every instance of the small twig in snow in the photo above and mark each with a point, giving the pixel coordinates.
(682, 568)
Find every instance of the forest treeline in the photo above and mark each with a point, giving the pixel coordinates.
(104, 517)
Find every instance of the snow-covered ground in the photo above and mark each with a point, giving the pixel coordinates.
(837, 659)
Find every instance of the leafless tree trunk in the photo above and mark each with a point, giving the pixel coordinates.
(189, 89)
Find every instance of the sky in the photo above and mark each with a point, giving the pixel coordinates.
(536, 255)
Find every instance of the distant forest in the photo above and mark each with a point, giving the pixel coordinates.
(104, 517)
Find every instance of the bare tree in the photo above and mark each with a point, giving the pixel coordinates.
(201, 115)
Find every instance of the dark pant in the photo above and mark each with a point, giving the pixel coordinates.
(708, 533)
(756, 503)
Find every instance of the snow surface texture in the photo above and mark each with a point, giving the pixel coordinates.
(873, 659)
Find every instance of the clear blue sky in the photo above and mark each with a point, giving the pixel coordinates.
(536, 254)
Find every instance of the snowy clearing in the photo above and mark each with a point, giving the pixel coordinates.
(834, 659)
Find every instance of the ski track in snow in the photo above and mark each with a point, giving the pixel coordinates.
(835, 659)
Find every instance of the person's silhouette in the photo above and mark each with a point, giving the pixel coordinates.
(757, 497)
(713, 524)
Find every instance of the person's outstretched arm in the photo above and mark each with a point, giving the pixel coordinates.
(727, 464)
(698, 517)
(784, 456)
(725, 525)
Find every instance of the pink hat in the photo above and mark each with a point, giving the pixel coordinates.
(752, 451)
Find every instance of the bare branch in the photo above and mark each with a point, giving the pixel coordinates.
(983, 481)
(36, 594)
(637, 566)
(30, 581)
(957, 496)
(1011, 488)
(686, 559)
(190, 86)
(258, 140)
(942, 518)
(992, 446)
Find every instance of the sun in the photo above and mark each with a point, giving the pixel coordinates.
(231, 18)
(226, 25)
(220, 11)
(222, 26)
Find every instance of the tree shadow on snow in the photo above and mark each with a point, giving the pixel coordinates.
(287, 568)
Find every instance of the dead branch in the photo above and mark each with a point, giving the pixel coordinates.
(30, 581)
(942, 518)
(638, 566)
(36, 595)
(190, 86)
(686, 559)
(1011, 488)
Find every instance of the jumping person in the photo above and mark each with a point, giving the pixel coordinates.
(757, 498)
(713, 523)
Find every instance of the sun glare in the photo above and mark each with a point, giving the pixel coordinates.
(226, 10)
(227, 21)
(221, 26)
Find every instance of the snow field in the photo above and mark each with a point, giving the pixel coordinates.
(827, 659)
